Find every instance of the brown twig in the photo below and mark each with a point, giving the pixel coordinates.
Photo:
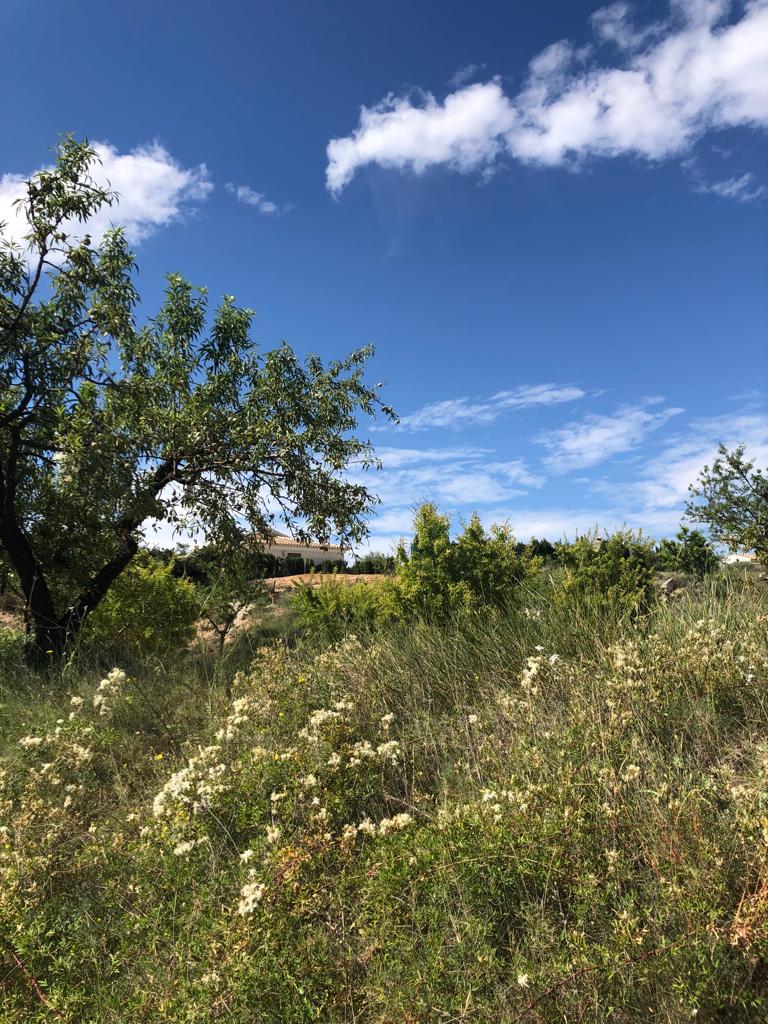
(647, 955)
(33, 982)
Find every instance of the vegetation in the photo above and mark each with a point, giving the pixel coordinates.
(617, 571)
(548, 812)
(689, 553)
(147, 613)
(437, 579)
(105, 425)
(500, 783)
(733, 502)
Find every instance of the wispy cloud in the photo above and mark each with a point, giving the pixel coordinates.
(459, 412)
(664, 480)
(697, 71)
(456, 477)
(250, 197)
(595, 438)
(464, 74)
(154, 190)
(743, 188)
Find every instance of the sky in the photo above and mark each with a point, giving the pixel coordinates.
(550, 219)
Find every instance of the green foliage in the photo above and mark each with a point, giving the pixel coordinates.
(12, 644)
(731, 499)
(327, 612)
(439, 579)
(376, 563)
(689, 553)
(442, 577)
(543, 549)
(229, 588)
(105, 424)
(617, 570)
(148, 612)
(522, 816)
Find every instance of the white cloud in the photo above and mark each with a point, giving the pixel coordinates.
(596, 437)
(743, 188)
(454, 478)
(696, 72)
(665, 478)
(465, 74)
(455, 412)
(154, 190)
(250, 197)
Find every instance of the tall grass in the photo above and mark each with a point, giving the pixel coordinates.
(553, 813)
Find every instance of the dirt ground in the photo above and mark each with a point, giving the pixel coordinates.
(278, 586)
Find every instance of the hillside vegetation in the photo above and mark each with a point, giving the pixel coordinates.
(551, 811)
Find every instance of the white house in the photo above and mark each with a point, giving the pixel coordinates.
(738, 557)
(281, 546)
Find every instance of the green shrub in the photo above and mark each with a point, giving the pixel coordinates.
(329, 611)
(615, 571)
(690, 553)
(11, 648)
(147, 612)
(478, 822)
(442, 577)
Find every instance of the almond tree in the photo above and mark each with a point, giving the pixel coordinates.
(106, 423)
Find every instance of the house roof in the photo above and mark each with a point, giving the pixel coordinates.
(282, 540)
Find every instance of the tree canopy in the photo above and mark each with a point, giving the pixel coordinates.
(106, 423)
(731, 499)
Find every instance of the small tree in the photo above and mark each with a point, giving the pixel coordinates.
(690, 553)
(105, 425)
(731, 499)
(231, 585)
(427, 580)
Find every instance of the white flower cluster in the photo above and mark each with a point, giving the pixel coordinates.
(370, 828)
(240, 715)
(195, 785)
(250, 896)
(364, 750)
(395, 824)
(30, 742)
(109, 690)
(322, 717)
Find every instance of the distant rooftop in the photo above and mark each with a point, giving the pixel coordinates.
(283, 540)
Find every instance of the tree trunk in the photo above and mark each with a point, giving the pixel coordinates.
(40, 611)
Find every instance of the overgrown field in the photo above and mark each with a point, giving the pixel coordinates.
(545, 814)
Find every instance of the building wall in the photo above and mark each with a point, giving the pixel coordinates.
(307, 553)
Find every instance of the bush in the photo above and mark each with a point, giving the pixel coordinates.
(375, 563)
(615, 571)
(442, 577)
(147, 612)
(12, 642)
(690, 553)
(439, 579)
(327, 612)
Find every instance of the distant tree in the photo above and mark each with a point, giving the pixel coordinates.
(105, 425)
(731, 499)
(690, 553)
(374, 563)
(542, 549)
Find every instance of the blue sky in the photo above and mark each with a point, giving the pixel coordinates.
(551, 219)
